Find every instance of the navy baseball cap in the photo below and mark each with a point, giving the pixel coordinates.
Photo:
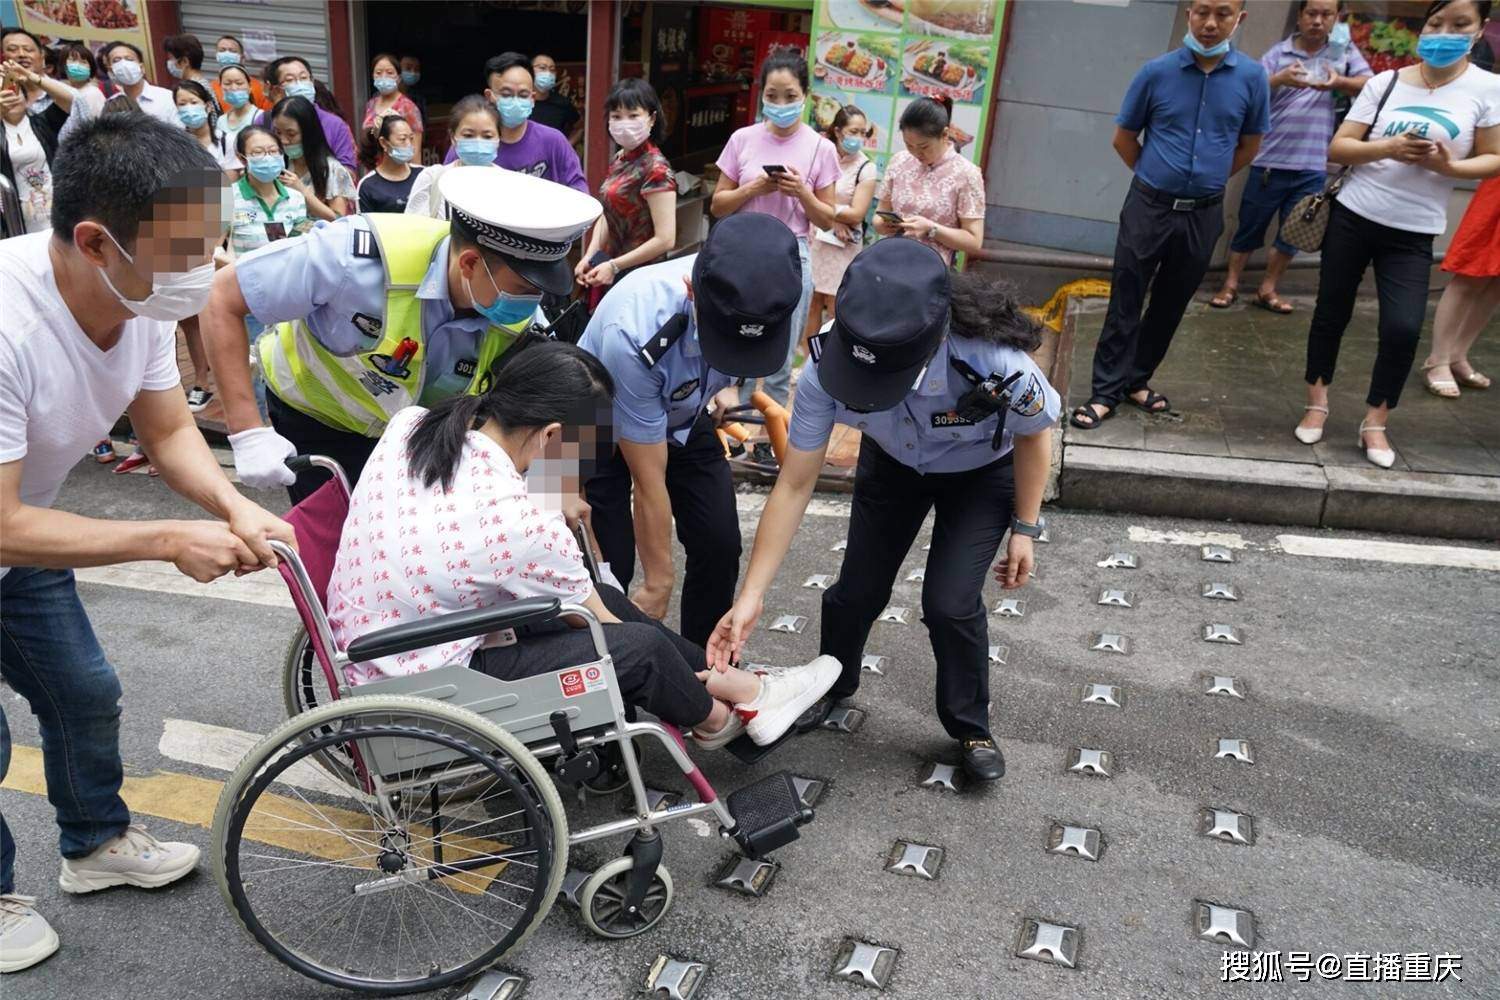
(747, 282)
(889, 319)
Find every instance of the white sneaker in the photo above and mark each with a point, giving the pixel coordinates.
(25, 936)
(133, 858)
(732, 730)
(784, 696)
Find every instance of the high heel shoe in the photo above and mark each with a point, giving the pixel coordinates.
(1383, 457)
(1310, 435)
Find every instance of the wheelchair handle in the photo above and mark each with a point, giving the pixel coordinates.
(307, 463)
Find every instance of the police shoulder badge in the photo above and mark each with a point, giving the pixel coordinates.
(1029, 401)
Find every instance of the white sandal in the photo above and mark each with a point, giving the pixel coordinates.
(1442, 388)
(1383, 457)
(1310, 435)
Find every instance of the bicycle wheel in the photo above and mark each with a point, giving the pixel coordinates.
(398, 889)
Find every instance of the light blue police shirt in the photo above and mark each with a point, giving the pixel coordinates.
(922, 431)
(653, 403)
(335, 280)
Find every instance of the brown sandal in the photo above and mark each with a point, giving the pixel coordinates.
(1275, 304)
(1226, 298)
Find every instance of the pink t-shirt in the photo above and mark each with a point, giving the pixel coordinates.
(409, 551)
(946, 193)
(805, 151)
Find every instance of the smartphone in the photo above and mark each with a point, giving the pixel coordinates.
(773, 169)
(893, 218)
(599, 258)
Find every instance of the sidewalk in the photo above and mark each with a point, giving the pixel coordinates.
(1226, 449)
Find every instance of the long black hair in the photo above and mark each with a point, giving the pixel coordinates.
(370, 149)
(315, 151)
(210, 103)
(546, 383)
(1482, 7)
(985, 308)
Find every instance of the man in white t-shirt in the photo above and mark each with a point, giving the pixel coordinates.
(87, 331)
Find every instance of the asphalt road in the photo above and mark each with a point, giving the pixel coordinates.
(1374, 690)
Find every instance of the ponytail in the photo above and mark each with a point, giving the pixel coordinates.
(927, 117)
(547, 383)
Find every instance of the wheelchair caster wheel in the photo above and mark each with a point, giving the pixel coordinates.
(601, 900)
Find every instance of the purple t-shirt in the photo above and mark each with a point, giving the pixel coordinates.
(542, 151)
(335, 130)
(1302, 119)
(807, 152)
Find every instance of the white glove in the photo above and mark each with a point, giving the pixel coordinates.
(260, 456)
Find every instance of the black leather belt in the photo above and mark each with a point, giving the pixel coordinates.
(1173, 202)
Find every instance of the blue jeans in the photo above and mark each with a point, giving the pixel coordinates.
(1271, 192)
(778, 386)
(49, 656)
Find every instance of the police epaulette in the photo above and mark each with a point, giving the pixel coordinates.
(365, 244)
(661, 342)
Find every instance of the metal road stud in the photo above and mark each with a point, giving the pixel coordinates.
(919, 860)
(844, 719)
(1119, 560)
(1056, 944)
(1226, 687)
(941, 776)
(789, 623)
(1010, 607)
(1099, 763)
(819, 581)
(874, 664)
(894, 614)
(658, 799)
(1226, 634)
(749, 876)
(998, 654)
(675, 979)
(840, 545)
(1218, 554)
(1223, 924)
(1046, 535)
(1226, 825)
(572, 881)
(809, 790)
(1109, 642)
(1235, 750)
(1117, 598)
(1103, 694)
(1220, 591)
(496, 984)
(1075, 841)
(917, 575)
(864, 963)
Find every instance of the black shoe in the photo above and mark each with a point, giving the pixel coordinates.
(762, 454)
(815, 714)
(983, 760)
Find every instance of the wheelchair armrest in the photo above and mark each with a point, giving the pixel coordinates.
(457, 625)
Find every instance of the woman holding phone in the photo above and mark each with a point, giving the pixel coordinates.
(782, 167)
(833, 248)
(929, 192)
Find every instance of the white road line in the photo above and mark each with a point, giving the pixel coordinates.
(265, 587)
(221, 749)
(1227, 539)
(1453, 556)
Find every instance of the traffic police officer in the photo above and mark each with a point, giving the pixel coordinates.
(377, 312)
(673, 335)
(954, 417)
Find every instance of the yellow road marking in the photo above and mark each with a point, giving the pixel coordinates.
(183, 798)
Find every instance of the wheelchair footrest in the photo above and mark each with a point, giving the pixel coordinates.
(767, 814)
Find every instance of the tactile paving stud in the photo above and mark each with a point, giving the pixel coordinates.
(917, 575)
(1103, 694)
(942, 776)
(1056, 944)
(1226, 825)
(819, 581)
(1075, 841)
(927, 547)
(1119, 560)
(1218, 554)
(1235, 750)
(1098, 763)
(675, 979)
(1227, 687)
(1221, 591)
(1109, 642)
(572, 881)
(1117, 598)
(840, 545)
(844, 719)
(809, 790)
(496, 984)
(748, 876)
(864, 963)
(874, 664)
(894, 614)
(1223, 924)
(1046, 535)
(919, 860)
(1227, 634)
(1010, 607)
(998, 654)
(789, 623)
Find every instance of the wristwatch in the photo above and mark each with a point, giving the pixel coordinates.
(932, 233)
(1020, 527)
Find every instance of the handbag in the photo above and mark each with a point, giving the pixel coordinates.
(1307, 224)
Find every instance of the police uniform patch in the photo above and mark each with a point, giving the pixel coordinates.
(367, 324)
(684, 390)
(465, 367)
(365, 245)
(948, 418)
(1029, 402)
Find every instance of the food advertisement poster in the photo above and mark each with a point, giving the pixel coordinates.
(880, 55)
(92, 22)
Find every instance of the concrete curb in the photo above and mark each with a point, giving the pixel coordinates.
(1235, 489)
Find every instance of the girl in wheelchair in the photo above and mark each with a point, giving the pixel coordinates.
(442, 521)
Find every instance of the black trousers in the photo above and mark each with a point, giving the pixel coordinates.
(973, 513)
(313, 437)
(1166, 253)
(655, 666)
(1403, 268)
(708, 525)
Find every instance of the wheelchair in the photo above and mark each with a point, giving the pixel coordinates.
(406, 836)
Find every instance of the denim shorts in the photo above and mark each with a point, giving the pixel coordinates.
(1271, 192)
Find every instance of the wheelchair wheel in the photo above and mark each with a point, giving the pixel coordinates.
(304, 688)
(398, 889)
(601, 900)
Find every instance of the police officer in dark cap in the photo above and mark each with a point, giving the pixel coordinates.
(933, 371)
(674, 335)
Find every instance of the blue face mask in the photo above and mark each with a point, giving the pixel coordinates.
(293, 151)
(385, 84)
(401, 154)
(477, 152)
(1199, 48)
(236, 98)
(507, 308)
(78, 71)
(1339, 38)
(227, 58)
(852, 143)
(301, 88)
(193, 115)
(783, 115)
(546, 81)
(175, 70)
(410, 77)
(1439, 51)
(514, 110)
(265, 168)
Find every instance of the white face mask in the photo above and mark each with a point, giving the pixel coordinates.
(127, 72)
(179, 296)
